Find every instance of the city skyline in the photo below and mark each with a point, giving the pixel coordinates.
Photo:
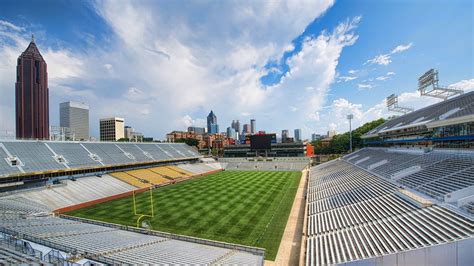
(325, 60)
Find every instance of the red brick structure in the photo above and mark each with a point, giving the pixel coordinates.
(32, 96)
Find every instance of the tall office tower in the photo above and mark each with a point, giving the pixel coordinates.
(231, 133)
(285, 134)
(32, 96)
(112, 129)
(253, 126)
(75, 116)
(212, 123)
(246, 129)
(237, 127)
(297, 135)
(232, 125)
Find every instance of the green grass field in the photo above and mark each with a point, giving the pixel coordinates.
(248, 208)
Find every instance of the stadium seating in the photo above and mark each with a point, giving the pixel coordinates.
(10, 256)
(166, 172)
(74, 192)
(355, 215)
(451, 108)
(436, 173)
(130, 179)
(35, 156)
(39, 156)
(196, 168)
(75, 154)
(112, 245)
(147, 174)
(5, 167)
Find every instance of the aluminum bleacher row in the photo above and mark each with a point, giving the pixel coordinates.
(38, 156)
(355, 215)
(436, 173)
(114, 245)
(71, 192)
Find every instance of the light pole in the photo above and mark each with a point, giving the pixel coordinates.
(350, 117)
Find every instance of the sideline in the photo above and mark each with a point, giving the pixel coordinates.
(290, 245)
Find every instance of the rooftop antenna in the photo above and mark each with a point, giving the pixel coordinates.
(428, 86)
(392, 105)
(32, 38)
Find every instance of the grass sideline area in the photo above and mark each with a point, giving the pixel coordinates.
(248, 208)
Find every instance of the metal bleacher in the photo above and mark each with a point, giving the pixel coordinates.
(435, 173)
(74, 153)
(355, 215)
(35, 156)
(40, 156)
(112, 245)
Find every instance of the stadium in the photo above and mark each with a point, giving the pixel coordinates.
(405, 199)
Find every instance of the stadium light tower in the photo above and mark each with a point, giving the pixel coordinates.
(428, 86)
(392, 105)
(350, 117)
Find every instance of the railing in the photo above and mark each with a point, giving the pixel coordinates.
(252, 250)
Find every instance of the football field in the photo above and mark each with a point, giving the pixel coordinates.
(248, 208)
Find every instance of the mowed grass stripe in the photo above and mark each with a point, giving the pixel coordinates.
(230, 206)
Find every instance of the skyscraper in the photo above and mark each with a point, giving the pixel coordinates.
(76, 117)
(285, 134)
(253, 126)
(32, 96)
(212, 123)
(298, 135)
(246, 129)
(231, 133)
(237, 126)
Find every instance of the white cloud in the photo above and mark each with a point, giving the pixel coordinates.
(466, 85)
(382, 78)
(391, 73)
(386, 59)
(383, 59)
(347, 78)
(401, 48)
(7, 25)
(364, 86)
(352, 71)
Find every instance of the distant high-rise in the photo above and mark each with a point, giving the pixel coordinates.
(285, 134)
(315, 137)
(246, 129)
(32, 96)
(231, 133)
(237, 126)
(253, 126)
(76, 117)
(212, 123)
(298, 135)
(112, 129)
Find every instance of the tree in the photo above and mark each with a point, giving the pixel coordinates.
(340, 143)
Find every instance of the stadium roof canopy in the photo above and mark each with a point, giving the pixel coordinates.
(456, 110)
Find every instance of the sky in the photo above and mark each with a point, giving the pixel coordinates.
(164, 65)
